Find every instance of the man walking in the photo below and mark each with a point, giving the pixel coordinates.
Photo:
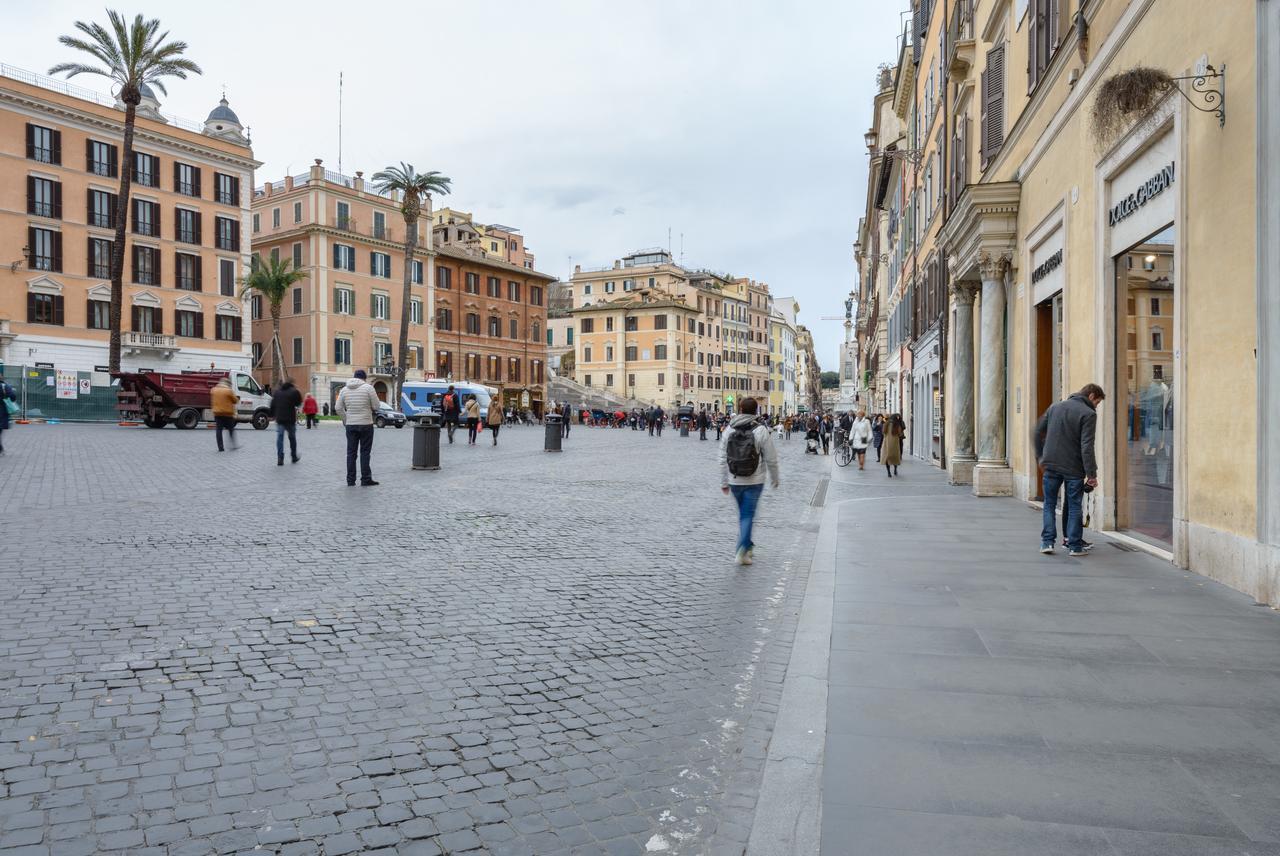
(284, 409)
(1064, 447)
(450, 411)
(358, 405)
(746, 454)
(223, 400)
(567, 410)
(702, 424)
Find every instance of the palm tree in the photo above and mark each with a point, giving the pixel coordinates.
(272, 278)
(131, 55)
(414, 187)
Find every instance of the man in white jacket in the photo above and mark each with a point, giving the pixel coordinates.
(358, 405)
(746, 454)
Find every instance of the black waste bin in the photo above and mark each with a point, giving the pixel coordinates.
(684, 427)
(426, 443)
(553, 438)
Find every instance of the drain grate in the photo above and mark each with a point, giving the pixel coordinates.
(820, 495)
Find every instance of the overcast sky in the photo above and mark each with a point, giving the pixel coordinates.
(591, 125)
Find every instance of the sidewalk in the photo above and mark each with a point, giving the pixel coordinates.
(986, 700)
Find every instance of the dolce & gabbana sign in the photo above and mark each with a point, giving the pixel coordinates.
(1046, 267)
(1148, 190)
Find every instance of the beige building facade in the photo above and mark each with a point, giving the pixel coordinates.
(1130, 259)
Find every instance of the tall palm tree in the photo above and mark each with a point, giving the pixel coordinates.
(414, 188)
(130, 55)
(272, 278)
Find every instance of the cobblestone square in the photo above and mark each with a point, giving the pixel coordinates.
(524, 653)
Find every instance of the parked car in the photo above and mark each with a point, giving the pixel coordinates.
(388, 415)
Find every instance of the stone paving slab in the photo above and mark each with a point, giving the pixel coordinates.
(520, 654)
(985, 699)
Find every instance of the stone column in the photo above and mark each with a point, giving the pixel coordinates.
(992, 476)
(962, 457)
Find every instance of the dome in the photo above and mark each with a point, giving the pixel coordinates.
(224, 114)
(147, 92)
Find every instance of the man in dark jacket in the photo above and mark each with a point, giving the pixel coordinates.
(284, 409)
(1064, 447)
(450, 411)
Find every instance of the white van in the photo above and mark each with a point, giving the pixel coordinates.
(418, 398)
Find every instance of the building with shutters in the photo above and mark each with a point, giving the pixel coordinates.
(472, 316)
(637, 346)
(782, 361)
(1135, 255)
(185, 245)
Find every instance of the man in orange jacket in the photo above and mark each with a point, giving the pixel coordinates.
(224, 401)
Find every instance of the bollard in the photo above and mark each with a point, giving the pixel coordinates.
(552, 440)
(426, 443)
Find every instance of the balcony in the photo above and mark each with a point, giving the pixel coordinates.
(133, 342)
(960, 44)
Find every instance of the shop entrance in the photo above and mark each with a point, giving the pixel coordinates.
(1048, 365)
(1145, 297)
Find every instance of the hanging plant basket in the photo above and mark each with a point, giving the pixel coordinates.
(1126, 100)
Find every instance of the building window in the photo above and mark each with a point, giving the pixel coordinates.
(186, 179)
(256, 348)
(297, 350)
(341, 351)
(44, 308)
(473, 283)
(632, 324)
(608, 353)
(586, 289)
(535, 295)
(608, 380)
(275, 218)
(631, 353)
(608, 324)
(493, 287)
(99, 315)
(1157, 371)
(44, 144)
(100, 258)
(102, 209)
(227, 189)
(146, 265)
(493, 368)
(586, 381)
(473, 324)
(257, 223)
(146, 170)
(188, 271)
(148, 319)
(659, 352)
(297, 301)
(513, 369)
(588, 325)
(382, 356)
(297, 212)
(188, 226)
(535, 332)
(228, 233)
(146, 217)
(536, 371)
(662, 380)
(343, 211)
(513, 292)
(586, 354)
(444, 278)
(444, 363)
(659, 322)
(228, 328)
(226, 277)
(344, 301)
(651, 282)
(417, 272)
(550, 337)
(495, 327)
(189, 324)
(444, 318)
(255, 307)
(44, 197)
(415, 311)
(628, 284)
(1157, 339)
(514, 328)
(344, 257)
(379, 225)
(380, 265)
(297, 256)
(608, 288)
(568, 335)
(1155, 306)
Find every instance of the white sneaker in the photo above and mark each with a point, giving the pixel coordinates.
(746, 557)
(740, 557)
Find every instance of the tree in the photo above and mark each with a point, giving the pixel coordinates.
(131, 55)
(830, 380)
(273, 279)
(413, 187)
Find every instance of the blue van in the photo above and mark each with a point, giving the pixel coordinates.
(418, 398)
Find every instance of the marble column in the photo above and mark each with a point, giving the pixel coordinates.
(960, 469)
(991, 475)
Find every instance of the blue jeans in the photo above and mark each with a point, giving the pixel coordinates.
(748, 497)
(290, 428)
(1074, 510)
(359, 439)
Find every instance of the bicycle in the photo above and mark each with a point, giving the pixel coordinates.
(844, 450)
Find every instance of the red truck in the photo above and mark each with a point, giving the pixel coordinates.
(158, 398)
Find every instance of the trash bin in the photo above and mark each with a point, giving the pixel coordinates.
(426, 443)
(684, 427)
(553, 439)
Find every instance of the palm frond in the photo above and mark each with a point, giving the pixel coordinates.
(272, 278)
(71, 69)
(132, 52)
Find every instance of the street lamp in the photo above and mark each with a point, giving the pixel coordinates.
(912, 156)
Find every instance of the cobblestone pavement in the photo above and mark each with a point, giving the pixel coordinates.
(523, 653)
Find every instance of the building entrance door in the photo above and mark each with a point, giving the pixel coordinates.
(1048, 365)
(1145, 296)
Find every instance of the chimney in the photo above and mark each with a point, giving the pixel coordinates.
(577, 269)
(266, 189)
(288, 182)
(317, 171)
(358, 184)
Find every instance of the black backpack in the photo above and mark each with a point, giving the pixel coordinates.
(741, 452)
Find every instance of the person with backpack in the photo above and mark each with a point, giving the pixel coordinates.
(747, 454)
(450, 411)
(8, 407)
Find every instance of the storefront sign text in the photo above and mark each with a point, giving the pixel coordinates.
(1046, 267)
(1148, 190)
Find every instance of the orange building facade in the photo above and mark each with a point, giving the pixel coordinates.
(185, 249)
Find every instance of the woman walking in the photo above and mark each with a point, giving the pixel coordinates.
(894, 430)
(877, 433)
(473, 420)
(860, 437)
(309, 410)
(495, 419)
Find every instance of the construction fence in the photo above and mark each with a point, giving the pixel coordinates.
(70, 396)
